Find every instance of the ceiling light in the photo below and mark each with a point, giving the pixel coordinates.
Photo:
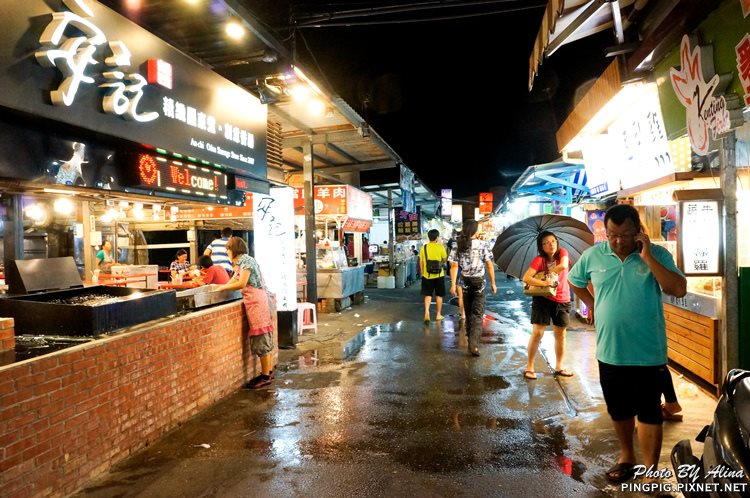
(234, 30)
(316, 107)
(300, 93)
(63, 206)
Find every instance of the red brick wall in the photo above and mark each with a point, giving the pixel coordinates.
(65, 418)
(7, 334)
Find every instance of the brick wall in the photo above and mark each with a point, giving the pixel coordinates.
(67, 417)
(7, 334)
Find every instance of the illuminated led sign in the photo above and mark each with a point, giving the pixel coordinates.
(158, 173)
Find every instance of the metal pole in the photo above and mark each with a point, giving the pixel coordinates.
(310, 252)
(391, 259)
(729, 338)
(13, 228)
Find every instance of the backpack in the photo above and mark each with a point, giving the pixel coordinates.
(432, 266)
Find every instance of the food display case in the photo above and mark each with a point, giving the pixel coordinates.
(338, 284)
(684, 218)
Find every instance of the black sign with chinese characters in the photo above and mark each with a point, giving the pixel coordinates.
(406, 223)
(84, 65)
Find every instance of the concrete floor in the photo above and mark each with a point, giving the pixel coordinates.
(378, 404)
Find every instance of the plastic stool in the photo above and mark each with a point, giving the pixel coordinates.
(307, 317)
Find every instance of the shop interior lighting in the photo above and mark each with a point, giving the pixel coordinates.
(234, 30)
(63, 206)
(36, 212)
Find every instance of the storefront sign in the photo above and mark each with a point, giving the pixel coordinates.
(743, 64)
(159, 173)
(641, 150)
(334, 200)
(248, 185)
(446, 202)
(355, 225)
(485, 203)
(406, 223)
(273, 221)
(700, 237)
(595, 222)
(602, 176)
(87, 72)
(703, 110)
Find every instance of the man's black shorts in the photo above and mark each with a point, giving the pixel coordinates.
(436, 285)
(543, 310)
(631, 391)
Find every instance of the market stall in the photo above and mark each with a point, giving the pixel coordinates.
(339, 209)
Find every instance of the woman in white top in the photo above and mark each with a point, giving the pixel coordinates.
(473, 256)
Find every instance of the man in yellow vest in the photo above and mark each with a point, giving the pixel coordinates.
(432, 260)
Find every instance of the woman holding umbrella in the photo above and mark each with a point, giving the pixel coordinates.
(553, 261)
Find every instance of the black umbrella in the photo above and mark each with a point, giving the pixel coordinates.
(515, 248)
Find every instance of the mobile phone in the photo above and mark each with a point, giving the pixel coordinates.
(639, 244)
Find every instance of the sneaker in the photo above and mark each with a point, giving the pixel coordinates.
(251, 384)
(263, 381)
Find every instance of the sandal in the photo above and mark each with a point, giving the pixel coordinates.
(667, 415)
(563, 373)
(620, 472)
(529, 374)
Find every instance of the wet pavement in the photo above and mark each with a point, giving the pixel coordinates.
(378, 404)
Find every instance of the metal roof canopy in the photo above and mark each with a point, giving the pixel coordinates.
(423, 196)
(565, 21)
(341, 139)
(557, 181)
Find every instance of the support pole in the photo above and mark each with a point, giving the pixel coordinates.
(310, 251)
(391, 259)
(13, 228)
(729, 338)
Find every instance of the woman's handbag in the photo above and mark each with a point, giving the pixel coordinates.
(543, 291)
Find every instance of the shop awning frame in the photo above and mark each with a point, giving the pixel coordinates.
(556, 181)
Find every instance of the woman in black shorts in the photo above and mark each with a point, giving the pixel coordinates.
(553, 260)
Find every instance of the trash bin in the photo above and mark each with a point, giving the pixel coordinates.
(400, 276)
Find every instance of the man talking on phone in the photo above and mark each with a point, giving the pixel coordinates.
(629, 274)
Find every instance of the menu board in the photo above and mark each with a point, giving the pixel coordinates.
(406, 223)
(701, 237)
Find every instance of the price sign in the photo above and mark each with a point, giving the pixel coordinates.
(701, 237)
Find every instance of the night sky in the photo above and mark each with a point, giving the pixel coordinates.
(450, 97)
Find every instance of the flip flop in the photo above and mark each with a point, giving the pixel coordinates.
(529, 374)
(620, 472)
(667, 415)
(563, 373)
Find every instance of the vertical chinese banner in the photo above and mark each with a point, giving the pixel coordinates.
(485, 203)
(273, 215)
(446, 203)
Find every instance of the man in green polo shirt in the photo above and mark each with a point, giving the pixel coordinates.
(629, 274)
